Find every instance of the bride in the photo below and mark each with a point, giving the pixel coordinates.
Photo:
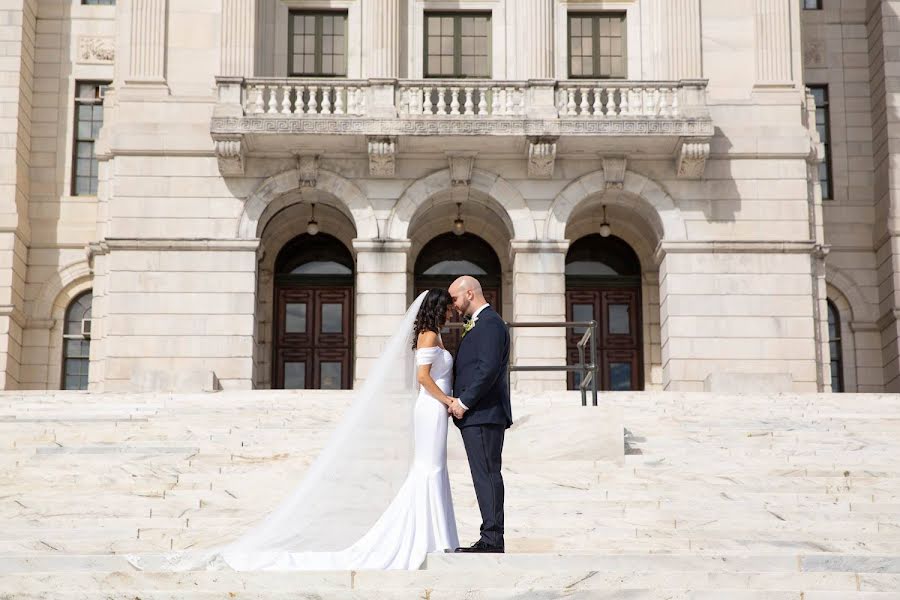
(378, 495)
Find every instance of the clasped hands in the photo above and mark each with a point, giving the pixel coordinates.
(456, 408)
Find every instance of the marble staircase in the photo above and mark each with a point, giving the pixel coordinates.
(716, 497)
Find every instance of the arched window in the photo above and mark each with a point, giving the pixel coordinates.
(77, 343)
(837, 352)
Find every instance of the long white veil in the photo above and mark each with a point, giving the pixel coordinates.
(348, 486)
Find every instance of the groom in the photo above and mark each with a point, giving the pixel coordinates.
(482, 409)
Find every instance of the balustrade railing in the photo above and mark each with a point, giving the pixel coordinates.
(461, 98)
(465, 98)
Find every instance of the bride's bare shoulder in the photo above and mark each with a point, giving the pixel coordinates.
(427, 339)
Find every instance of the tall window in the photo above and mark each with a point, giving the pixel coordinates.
(812, 4)
(457, 45)
(318, 43)
(837, 351)
(823, 125)
(77, 343)
(88, 121)
(597, 45)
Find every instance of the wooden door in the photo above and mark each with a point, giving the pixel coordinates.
(313, 337)
(619, 351)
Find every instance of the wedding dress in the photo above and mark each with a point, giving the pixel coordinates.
(377, 497)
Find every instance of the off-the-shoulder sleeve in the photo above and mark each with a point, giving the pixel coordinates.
(427, 356)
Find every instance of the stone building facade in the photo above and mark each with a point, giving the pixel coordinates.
(248, 193)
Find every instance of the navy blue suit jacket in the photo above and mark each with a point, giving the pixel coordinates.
(481, 372)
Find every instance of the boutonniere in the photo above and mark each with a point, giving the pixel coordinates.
(467, 326)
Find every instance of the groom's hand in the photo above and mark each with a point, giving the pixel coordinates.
(456, 409)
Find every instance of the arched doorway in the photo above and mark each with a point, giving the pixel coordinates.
(603, 283)
(449, 256)
(313, 317)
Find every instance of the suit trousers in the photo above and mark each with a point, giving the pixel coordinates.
(484, 447)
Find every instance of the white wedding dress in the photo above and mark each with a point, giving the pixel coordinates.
(378, 494)
(419, 520)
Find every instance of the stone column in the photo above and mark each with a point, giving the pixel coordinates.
(381, 298)
(238, 38)
(774, 54)
(148, 29)
(678, 36)
(535, 26)
(539, 294)
(381, 22)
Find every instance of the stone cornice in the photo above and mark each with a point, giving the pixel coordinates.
(225, 127)
(223, 245)
(735, 247)
(538, 246)
(382, 245)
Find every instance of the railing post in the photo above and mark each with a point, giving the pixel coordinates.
(596, 367)
(382, 100)
(230, 102)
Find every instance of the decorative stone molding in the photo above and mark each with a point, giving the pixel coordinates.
(541, 157)
(307, 170)
(814, 53)
(382, 156)
(461, 164)
(230, 153)
(691, 160)
(614, 168)
(96, 50)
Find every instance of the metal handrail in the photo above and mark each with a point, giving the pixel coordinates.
(589, 371)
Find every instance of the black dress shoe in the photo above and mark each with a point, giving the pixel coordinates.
(482, 547)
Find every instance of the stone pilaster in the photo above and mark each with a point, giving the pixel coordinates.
(774, 53)
(678, 37)
(535, 39)
(381, 24)
(884, 47)
(539, 294)
(16, 85)
(238, 38)
(381, 297)
(148, 32)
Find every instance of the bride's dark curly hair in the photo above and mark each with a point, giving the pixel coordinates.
(432, 315)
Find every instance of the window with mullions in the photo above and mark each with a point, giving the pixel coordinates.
(597, 45)
(77, 343)
(318, 43)
(812, 4)
(823, 126)
(837, 351)
(457, 45)
(88, 121)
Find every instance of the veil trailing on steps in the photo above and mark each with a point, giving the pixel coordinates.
(346, 488)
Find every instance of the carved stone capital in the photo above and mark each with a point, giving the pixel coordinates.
(231, 154)
(691, 159)
(93, 49)
(308, 169)
(541, 157)
(614, 171)
(382, 156)
(461, 165)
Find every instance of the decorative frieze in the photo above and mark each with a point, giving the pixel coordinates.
(308, 170)
(461, 164)
(96, 50)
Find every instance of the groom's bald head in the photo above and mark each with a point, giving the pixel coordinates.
(467, 295)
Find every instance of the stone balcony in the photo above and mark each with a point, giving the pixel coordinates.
(538, 119)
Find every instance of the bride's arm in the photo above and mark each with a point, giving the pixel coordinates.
(428, 339)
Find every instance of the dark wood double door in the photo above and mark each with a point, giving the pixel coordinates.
(313, 343)
(617, 312)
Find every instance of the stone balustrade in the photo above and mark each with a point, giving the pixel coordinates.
(476, 99)
(462, 97)
(304, 97)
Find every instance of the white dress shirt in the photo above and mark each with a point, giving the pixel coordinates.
(474, 318)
